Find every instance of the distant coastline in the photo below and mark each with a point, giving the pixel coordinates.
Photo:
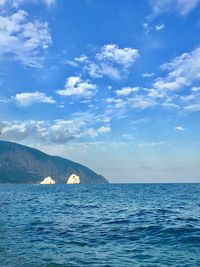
(22, 164)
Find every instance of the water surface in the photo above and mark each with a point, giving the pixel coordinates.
(104, 225)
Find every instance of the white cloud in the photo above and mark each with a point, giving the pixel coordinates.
(153, 27)
(4, 100)
(196, 88)
(138, 101)
(123, 56)
(169, 83)
(28, 99)
(141, 102)
(190, 101)
(98, 70)
(159, 27)
(17, 131)
(180, 74)
(182, 7)
(75, 86)
(179, 128)
(17, 3)
(125, 91)
(109, 100)
(118, 102)
(23, 39)
(153, 144)
(170, 105)
(111, 61)
(71, 63)
(104, 129)
(81, 59)
(152, 93)
(189, 97)
(146, 26)
(80, 126)
(147, 75)
(182, 71)
(193, 107)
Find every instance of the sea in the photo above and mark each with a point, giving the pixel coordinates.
(111, 225)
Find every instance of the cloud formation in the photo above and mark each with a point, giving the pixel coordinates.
(22, 39)
(110, 61)
(179, 128)
(76, 86)
(153, 144)
(104, 129)
(113, 54)
(177, 89)
(148, 27)
(60, 131)
(182, 7)
(125, 91)
(147, 74)
(28, 99)
(182, 71)
(17, 3)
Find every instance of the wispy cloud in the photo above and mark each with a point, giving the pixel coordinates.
(147, 74)
(153, 144)
(193, 107)
(17, 3)
(22, 39)
(182, 7)
(182, 71)
(70, 63)
(127, 102)
(159, 27)
(153, 27)
(4, 100)
(142, 102)
(81, 59)
(110, 61)
(179, 128)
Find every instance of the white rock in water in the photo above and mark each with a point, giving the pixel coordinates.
(74, 179)
(48, 180)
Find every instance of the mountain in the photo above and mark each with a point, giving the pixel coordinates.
(22, 164)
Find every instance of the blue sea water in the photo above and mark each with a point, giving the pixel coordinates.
(104, 225)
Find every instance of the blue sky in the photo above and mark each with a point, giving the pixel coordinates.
(114, 85)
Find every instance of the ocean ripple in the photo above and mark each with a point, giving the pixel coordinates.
(106, 225)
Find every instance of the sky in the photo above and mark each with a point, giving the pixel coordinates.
(114, 85)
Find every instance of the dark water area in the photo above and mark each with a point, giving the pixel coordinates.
(104, 225)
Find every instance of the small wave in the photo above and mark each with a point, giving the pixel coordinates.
(192, 240)
(118, 221)
(179, 230)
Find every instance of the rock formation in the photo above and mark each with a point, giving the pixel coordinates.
(48, 180)
(74, 179)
